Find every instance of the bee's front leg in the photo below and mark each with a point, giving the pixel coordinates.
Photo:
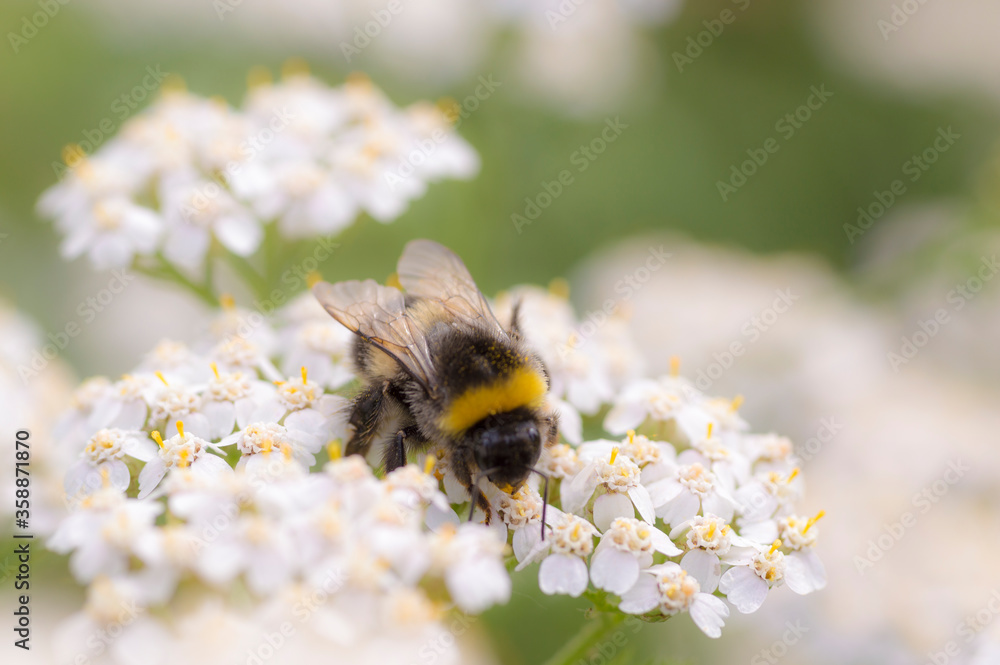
(395, 453)
(460, 461)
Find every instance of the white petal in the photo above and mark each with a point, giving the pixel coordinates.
(143, 449)
(682, 508)
(662, 491)
(744, 589)
(717, 505)
(804, 572)
(150, 477)
(662, 543)
(614, 570)
(623, 417)
(709, 614)
(640, 497)
(577, 492)
(476, 585)
(643, 597)
(221, 419)
(563, 574)
(704, 566)
(609, 506)
(118, 474)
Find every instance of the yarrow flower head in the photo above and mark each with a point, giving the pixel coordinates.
(189, 177)
(217, 472)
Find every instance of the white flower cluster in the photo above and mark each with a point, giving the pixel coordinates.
(189, 174)
(204, 470)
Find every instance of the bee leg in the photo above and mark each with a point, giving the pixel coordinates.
(368, 410)
(459, 460)
(395, 452)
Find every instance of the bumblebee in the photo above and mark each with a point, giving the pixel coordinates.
(437, 366)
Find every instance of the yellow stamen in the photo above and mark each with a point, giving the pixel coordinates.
(333, 450)
(105, 477)
(774, 546)
(631, 436)
(675, 366)
(393, 281)
(159, 375)
(709, 435)
(173, 83)
(305, 375)
(227, 302)
(813, 520)
(792, 475)
(258, 76)
(313, 278)
(429, 464)
(449, 108)
(359, 78)
(156, 437)
(736, 403)
(711, 531)
(286, 451)
(73, 154)
(614, 454)
(559, 287)
(294, 67)
(184, 462)
(215, 370)
(180, 428)
(278, 383)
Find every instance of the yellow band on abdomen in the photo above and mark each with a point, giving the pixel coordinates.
(524, 387)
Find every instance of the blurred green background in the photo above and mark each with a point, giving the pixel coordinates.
(684, 134)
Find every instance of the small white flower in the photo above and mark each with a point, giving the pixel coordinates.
(624, 494)
(804, 572)
(563, 554)
(746, 586)
(625, 548)
(670, 589)
(101, 460)
(667, 401)
(181, 451)
(692, 488)
(710, 542)
(470, 560)
(258, 442)
(112, 232)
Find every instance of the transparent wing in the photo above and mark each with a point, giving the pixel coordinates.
(430, 270)
(378, 314)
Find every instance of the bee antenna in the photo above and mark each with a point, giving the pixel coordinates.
(545, 496)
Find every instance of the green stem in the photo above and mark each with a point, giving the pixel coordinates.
(250, 276)
(591, 634)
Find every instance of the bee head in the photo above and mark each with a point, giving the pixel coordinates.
(506, 446)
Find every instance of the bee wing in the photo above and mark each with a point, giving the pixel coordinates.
(378, 314)
(430, 270)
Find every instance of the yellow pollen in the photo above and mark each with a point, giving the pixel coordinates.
(294, 67)
(313, 278)
(159, 375)
(215, 370)
(575, 535)
(333, 450)
(258, 76)
(184, 458)
(227, 302)
(774, 546)
(711, 531)
(792, 475)
(180, 428)
(631, 436)
(559, 287)
(709, 435)
(429, 464)
(675, 366)
(614, 454)
(286, 451)
(813, 520)
(156, 437)
(393, 281)
(736, 403)
(105, 477)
